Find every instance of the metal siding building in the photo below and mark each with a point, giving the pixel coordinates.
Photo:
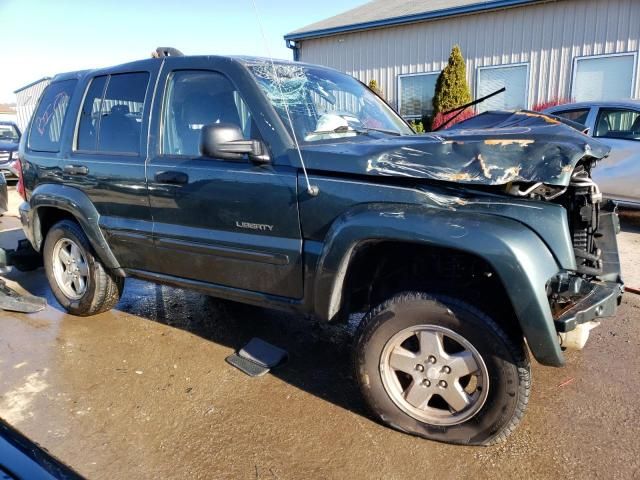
(545, 39)
(26, 100)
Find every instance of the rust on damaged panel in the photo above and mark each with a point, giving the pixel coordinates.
(510, 147)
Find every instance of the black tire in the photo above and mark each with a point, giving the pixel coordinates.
(103, 287)
(505, 358)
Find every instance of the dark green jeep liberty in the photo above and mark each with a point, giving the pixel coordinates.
(294, 186)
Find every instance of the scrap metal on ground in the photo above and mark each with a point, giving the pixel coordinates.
(24, 258)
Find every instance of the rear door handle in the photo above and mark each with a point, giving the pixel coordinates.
(75, 169)
(174, 178)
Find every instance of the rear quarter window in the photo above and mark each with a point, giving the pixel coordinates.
(577, 115)
(46, 126)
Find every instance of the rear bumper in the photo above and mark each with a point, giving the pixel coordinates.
(8, 170)
(26, 218)
(24, 257)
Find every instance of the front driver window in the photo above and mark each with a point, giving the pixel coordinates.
(195, 99)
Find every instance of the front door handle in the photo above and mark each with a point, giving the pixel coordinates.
(173, 178)
(75, 169)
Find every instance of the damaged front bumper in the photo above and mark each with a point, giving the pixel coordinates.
(601, 301)
(590, 300)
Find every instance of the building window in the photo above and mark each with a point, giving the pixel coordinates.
(603, 77)
(416, 94)
(515, 78)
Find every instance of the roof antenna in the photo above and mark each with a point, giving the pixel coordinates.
(312, 190)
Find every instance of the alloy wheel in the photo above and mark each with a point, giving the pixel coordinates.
(434, 375)
(70, 268)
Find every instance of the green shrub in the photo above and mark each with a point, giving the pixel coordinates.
(373, 85)
(452, 89)
(417, 126)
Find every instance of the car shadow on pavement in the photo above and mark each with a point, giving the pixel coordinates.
(319, 360)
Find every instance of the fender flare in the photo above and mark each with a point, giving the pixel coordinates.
(518, 255)
(78, 204)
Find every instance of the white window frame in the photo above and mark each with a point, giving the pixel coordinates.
(574, 68)
(506, 65)
(399, 90)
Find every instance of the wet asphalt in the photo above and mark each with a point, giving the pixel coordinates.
(144, 391)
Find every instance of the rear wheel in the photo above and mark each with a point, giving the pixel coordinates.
(78, 279)
(441, 369)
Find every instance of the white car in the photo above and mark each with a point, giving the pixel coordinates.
(616, 124)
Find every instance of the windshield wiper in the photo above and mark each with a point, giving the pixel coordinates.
(462, 108)
(341, 129)
(382, 130)
(358, 131)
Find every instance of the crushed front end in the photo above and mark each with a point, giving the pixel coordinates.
(525, 166)
(580, 298)
(581, 295)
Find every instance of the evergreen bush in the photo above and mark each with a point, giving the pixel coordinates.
(373, 85)
(452, 89)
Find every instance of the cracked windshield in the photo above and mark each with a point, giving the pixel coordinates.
(324, 104)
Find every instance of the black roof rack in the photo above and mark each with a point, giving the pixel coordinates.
(162, 52)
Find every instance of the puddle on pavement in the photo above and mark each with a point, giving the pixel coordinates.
(144, 391)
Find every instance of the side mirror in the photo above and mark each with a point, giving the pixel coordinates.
(226, 141)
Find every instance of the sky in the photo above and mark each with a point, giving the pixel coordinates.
(43, 37)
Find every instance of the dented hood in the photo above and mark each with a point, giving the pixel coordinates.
(500, 148)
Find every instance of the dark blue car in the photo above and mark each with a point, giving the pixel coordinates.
(9, 139)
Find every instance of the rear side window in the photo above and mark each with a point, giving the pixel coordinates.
(121, 113)
(111, 115)
(48, 119)
(579, 115)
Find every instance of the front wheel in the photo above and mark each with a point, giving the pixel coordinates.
(79, 281)
(441, 369)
